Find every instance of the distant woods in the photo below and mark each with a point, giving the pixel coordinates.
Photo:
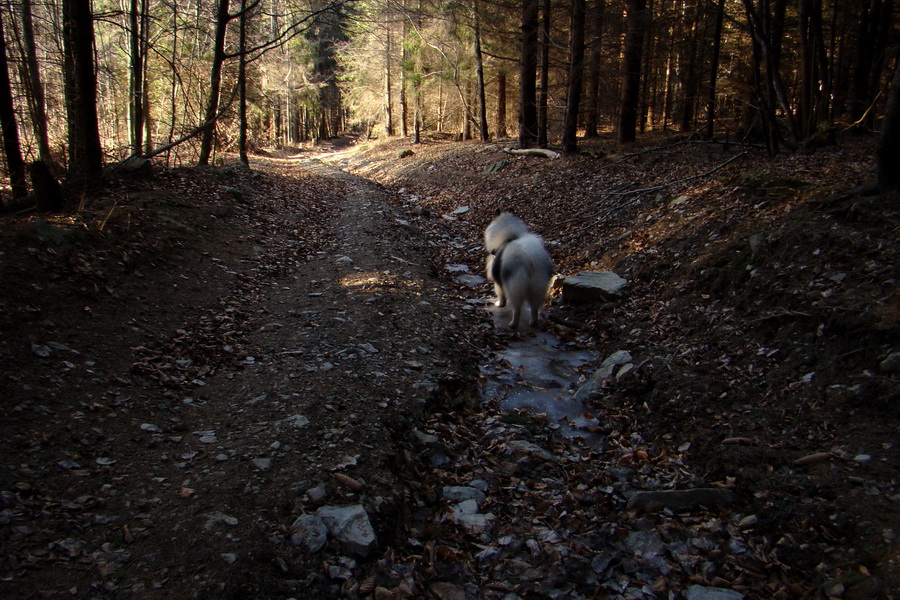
(86, 84)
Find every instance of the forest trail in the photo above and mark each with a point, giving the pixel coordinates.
(278, 387)
(205, 373)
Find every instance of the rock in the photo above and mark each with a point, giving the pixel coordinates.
(263, 464)
(531, 449)
(350, 526)
(134, 167)
(216, 517)
(645, 543)
(891, 363)
(317, 494)
(679, 500)
(592, 286)
(466, 515)
(425, 438)
(460, 211)
(698, 592)
(296, 421)
(603, 372)
(461, 492)
(309, 532)
(405, 153)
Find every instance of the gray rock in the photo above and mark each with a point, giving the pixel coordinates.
(698, 592)
(680, 499)
(461, 492)
(135, 167)
(891, 363)
(296, 421)
(592, 286)
(645, 543)
(317, 494)
(531, 449)
(309, 532)
(263, 464)
(603, 372)
(350, 526)
(466, 515)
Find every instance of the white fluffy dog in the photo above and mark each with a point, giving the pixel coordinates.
(518, 264)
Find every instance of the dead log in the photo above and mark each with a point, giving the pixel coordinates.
(533, 152)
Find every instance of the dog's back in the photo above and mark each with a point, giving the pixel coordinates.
(502, 230)
(522, 269)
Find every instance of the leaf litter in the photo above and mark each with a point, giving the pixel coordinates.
(232, 379)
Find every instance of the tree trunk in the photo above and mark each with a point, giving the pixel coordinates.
(714, 72)
(11, 145)
(501, 105)
(145, 101)
(136, 77)
(404, 102)
(528, 120)
(888, 151)
(173, 90)
(479, 72)
(870, 47)
(544, 98)
(767, 30)
(85, 151)
(592, 84)
(215, 83)
(576, 79)
(388, 100)
(242, 87)
(37, 104)
(691, 71)
(631, 82)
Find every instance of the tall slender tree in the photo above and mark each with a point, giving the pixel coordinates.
(592, 80)
(242, 85)
(631, 79)
(37, 104)
(576, 78)
(544, 93)
(714, 71)
(528, 118)
(11, 146)
(479, 73)
(85, 150)
(223, 17)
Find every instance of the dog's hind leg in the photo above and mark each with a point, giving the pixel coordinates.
(501, 297)
(516, 313)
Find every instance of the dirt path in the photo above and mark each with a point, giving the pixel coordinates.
(181, 478)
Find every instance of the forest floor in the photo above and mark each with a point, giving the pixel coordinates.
(202, 369)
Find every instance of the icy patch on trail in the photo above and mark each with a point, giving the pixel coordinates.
(540, 374)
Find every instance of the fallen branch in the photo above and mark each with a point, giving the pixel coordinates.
(533, 152)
